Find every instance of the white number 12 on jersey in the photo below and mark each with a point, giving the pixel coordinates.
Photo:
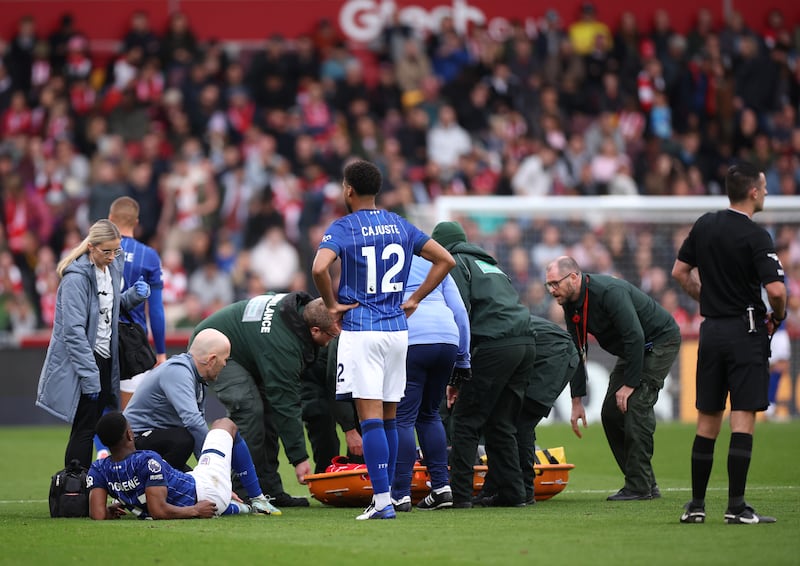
(387, 285)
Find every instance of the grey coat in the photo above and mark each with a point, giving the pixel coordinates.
(69, 367)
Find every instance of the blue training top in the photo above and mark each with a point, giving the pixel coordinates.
(376, 247)
(441, 317)
(141, 260)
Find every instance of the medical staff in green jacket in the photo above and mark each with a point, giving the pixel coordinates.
(273, 337)
(631, 325)
(556, 365)
(503, 352)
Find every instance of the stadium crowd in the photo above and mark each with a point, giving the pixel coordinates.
(235, 157)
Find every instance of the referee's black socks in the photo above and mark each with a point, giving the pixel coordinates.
(739, 453)
(702, 461)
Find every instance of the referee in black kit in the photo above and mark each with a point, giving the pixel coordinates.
(733, 257)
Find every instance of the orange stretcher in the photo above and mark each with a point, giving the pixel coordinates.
(352, 488)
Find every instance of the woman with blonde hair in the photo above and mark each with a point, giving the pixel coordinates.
(80, 376)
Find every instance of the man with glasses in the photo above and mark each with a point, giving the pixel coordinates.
(503, 356)
(274, 337)
(631, 325)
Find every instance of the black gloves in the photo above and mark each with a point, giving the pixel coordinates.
(459, 376)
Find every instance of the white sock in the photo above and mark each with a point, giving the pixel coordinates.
(441, 490)
(382, 500)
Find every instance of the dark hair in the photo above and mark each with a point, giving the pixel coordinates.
(364, 177)
(739, 179)
(111, 428)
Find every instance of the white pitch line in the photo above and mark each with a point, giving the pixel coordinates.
(689, 489)
(584, 491)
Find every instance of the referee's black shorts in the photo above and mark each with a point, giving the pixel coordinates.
(732, 361)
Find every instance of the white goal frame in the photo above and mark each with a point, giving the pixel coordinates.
(596, 210)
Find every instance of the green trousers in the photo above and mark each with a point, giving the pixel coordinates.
(247, 406)
(630, 434)
(490, 403)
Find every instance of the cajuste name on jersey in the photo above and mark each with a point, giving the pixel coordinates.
(380, 230)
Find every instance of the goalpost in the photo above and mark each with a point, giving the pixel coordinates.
(778, 209)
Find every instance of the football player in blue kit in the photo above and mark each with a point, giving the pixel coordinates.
(147, 486)
(375, 247)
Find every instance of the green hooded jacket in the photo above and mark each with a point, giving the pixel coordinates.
(495, 311)
(270, 339)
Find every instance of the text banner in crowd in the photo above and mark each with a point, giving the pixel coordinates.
(358, 20)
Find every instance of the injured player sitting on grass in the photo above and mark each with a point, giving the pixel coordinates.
(141, 482)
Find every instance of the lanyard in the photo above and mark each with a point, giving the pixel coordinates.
(582, 333)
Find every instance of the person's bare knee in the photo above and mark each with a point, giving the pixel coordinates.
(709, 424)
(225, 424)
(369, 409)
(743, 421)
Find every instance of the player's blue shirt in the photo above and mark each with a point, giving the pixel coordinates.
(127, 479)
(375, 248)
(141, 260)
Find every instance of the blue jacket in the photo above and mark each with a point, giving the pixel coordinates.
(441, 317)
(69, 367)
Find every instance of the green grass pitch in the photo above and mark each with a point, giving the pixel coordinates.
(576, 527)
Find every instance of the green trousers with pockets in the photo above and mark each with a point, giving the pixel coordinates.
(248, 408)
(630, 434)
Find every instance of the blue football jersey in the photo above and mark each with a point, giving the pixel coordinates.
(375, 248)
(127, 480)
(140, 260)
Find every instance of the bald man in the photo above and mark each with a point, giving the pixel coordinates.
(167, 411)
(631, 325)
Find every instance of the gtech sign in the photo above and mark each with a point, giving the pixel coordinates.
(363, 20)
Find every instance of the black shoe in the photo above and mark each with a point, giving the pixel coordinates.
(531, 500)
(626, 494)
(461, 505)
(497, 501)
(746, 516)
(693, 514)
(403, 505)
(286, 500)
(655, 493)
(435, 501)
